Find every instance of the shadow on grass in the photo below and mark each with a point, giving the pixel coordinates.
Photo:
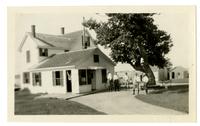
(25, 104)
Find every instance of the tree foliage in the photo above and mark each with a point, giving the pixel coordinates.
(133, 39)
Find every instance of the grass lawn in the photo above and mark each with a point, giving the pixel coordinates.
(25, 104)
(174, 98)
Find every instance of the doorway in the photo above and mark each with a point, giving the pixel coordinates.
(68, 81)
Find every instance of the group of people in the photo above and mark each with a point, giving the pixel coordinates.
(113, 82)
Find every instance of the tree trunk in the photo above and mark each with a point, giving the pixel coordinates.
(145, 68)
(151, 78)
(150, 75)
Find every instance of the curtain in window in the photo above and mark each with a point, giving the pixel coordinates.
(37, 79)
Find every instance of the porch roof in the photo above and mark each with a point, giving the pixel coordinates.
(72, 58)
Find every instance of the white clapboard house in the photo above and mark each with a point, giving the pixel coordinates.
(63, 63)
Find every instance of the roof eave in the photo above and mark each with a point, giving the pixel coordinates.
(51, 68)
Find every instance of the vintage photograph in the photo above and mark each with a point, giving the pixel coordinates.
(103, 63)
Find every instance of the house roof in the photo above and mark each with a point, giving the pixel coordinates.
(65, 41)
(178, 67)
(72, 58)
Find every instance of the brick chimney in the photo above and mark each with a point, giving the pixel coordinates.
(62, 30)
(33, 30)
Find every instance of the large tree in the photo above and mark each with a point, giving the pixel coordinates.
(133, 39)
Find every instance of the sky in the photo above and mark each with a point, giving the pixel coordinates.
(175, 24)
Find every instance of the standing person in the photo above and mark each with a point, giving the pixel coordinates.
(126, 79)
(145, 80)
(115, 78)
(136, 81)
(109, 77)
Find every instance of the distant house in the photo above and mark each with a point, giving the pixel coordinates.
(174, 76)
(63, 63)
(161, 75)
(179, 74)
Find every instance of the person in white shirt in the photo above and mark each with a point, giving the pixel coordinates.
(145, 80)
(126, 79)
(136, 82)
(116, 82)
(109, 77)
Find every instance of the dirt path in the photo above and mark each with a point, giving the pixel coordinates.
(122, 102)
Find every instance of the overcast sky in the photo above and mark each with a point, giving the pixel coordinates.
(176, 24)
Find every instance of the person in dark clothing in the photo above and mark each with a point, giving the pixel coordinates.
(115, 78)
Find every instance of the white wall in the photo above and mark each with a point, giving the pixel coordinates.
(32, 47)
(75, 81)
(99, 84)
(47, 84)
(176, 71)
(102, 63)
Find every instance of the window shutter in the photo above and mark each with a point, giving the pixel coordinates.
(40, 51)
(53, 77)
(33, 76)
(40, 79)
(46, 52)
(24, 78)
(61, 78)
(82, 41)
(88, 40)
(28, 77)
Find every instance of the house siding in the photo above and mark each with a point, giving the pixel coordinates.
(32, 47)
(47, 86)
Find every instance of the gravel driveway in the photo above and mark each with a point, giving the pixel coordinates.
(122, 102)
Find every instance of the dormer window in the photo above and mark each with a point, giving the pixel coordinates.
(96, 58)
(43, 52)
(88, 41)
(85, 41)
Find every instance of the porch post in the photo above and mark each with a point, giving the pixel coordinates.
(75, 81)
(64, 80)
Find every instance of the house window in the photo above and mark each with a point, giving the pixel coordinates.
(173, 75)
(186, 74)
(178, 74)
(85, 76)
(28, 59)
(43, 52)
(103, 74)
(85, 41)
(26, 77)
(96, 58)
(37, 79)
(168, 76)
(57, 78)
(89, 76)
(82, 77)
